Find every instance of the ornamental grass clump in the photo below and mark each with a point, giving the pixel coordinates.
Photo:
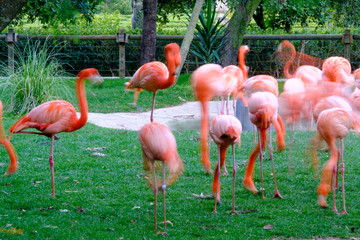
(38, 77)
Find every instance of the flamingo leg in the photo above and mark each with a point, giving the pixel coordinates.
(277, 194)
(152, 109)
(155, 193)
(337, 167)
(234, 176)
(39, 133)
(227, 105)
(342, 173)
(333, 188)
(163, 187)
(222, 107)
(51, 161)
(261, 166)
(217, 192)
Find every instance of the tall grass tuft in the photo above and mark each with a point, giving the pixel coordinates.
(38, 77)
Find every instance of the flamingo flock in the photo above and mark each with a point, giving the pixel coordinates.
(329, 96)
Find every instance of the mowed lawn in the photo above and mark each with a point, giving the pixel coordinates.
(102, 193)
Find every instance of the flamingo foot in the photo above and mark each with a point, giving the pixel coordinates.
(249, 185)
(225, 172)
(343, 212)
(335, 210)
(322, 201)
(277, 194)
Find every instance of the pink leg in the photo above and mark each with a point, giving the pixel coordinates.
(152, 109)
(342, 175)
(261, 166)
(163, 187)
(218, 182)
(333, 188)
(155, 193)
(51, 161)
(222, 105)
(337, 167)
(227, 105)
(234, 176)
(277, 194)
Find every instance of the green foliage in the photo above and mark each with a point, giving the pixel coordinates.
(115, 6)
(167, 8)
(59, 11)
(346, 13)
(211, 34)
(36, 78)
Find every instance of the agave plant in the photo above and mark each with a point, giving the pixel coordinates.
(38, 77)
(211, 35)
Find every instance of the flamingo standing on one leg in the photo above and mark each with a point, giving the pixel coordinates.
(58, 116)
(225, 130)
(155, 75)
(158, 143)
(332, 124)
(8, 146)
(263, 107)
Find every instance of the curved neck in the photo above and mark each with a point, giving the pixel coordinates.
(81, 95)
(290, 61)
(170, 61)
(242, 53)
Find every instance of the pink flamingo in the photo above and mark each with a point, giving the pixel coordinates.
(155, 75)
(159, 144)
(8, 146)
(225, 130)
(58, 116)
(332, 124)
(263, 107)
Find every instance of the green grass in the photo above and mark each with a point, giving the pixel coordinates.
(107, 197)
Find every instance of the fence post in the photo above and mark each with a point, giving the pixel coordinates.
(347, 40)
(11, 39)
(122, 38)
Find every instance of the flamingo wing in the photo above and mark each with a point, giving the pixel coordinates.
(50, 117)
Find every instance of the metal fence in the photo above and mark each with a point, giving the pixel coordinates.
(118, 55)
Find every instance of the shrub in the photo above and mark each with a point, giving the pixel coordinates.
(37, 78)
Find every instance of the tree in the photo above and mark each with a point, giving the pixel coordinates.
(148, 36)
(286, 13)
(137, 13)
(8, 11)
(189, 35)
(236, 29)
(49, 12)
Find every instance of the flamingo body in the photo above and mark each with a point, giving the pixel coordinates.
(159, 144)
(58, 116)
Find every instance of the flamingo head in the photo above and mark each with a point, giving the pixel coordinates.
(91, 74)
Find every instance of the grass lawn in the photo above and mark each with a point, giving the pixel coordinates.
(106, 197)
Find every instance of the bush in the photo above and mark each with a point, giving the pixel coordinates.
(35, 80)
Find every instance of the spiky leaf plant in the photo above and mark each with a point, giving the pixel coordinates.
(38, 77)
(211, 35)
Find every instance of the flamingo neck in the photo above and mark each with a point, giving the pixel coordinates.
(289, 62)
(170, 60)
(242, 53)
(80, 90)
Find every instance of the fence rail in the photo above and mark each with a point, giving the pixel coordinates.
(118, 55)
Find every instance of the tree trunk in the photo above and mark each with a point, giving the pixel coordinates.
(8, 11)
(189, 35)
(137, 14)
(259, 16)
(236, 30)
(148, 37)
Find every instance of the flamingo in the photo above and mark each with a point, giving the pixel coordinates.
(336, 76)
(309, 73)
(265, 83)
(225, 130)
(58, 116)
(158, 143)
(155, 75)
(263, 107)
(8, 146)
(207, 82)
(332, 124)
(234, 80)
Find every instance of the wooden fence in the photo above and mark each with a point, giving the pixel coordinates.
(345, 41)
